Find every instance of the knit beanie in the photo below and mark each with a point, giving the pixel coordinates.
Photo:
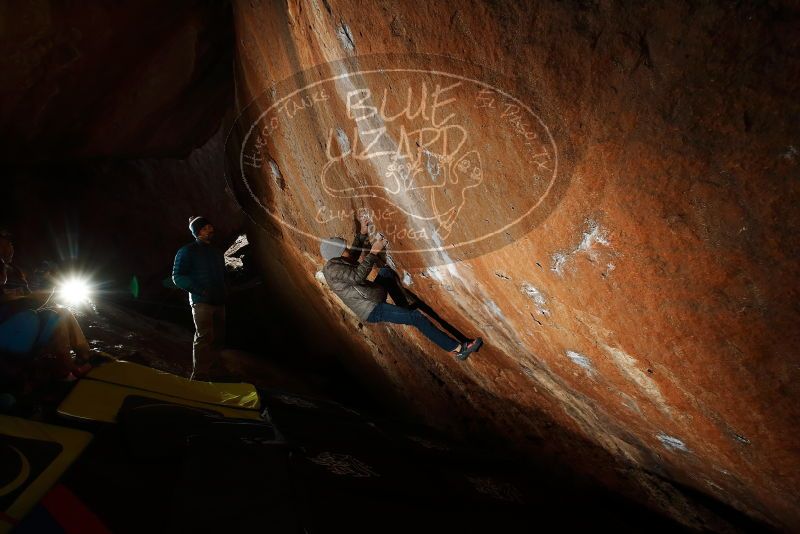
(333, 247)
(196, 224)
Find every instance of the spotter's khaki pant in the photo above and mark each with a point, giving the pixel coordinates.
(209, 336)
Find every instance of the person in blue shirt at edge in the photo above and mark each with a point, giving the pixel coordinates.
(32, 332)
(199, 269)
(347, 278)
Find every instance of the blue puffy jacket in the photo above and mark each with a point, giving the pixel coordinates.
(199, 268)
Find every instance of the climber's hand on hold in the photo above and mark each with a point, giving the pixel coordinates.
(379, 244)
(365, 223)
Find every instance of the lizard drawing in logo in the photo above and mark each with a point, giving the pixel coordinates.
(425, 173)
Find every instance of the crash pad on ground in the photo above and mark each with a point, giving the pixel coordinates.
(33, 456)
(142, 377)
(101, 401)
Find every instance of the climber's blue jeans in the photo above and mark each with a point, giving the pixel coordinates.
(388, 313)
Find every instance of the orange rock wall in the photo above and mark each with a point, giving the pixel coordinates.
(652, 314)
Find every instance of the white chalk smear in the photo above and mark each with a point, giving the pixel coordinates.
(345, 37)
(630, 368)
(449, 263)
(434, 273)
(431, 164)
(580, 360)
(495, 309)
(342, 141)
(276, 172)
(593, 235)
(672, 443)
(537, 297)
(559, 260)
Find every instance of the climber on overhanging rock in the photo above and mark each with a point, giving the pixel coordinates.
(199, 269)
(347, 277)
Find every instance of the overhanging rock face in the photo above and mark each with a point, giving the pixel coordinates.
(87, 80)
(606, 195)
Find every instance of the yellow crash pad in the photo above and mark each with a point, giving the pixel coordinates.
(143, 377)
(100, 401)
(33, 456)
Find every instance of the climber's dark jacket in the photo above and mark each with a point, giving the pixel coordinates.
(199, 268)
(348, 279)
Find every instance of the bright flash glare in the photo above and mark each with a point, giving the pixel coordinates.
(74, 292)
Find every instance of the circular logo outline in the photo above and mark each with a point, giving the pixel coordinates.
(241, 174)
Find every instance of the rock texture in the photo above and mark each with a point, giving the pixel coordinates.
(644, 329)
(122, 79)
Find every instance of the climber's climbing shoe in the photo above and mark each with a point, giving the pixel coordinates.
(468, 348)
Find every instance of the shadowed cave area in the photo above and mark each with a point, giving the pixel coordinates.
(604, 192)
